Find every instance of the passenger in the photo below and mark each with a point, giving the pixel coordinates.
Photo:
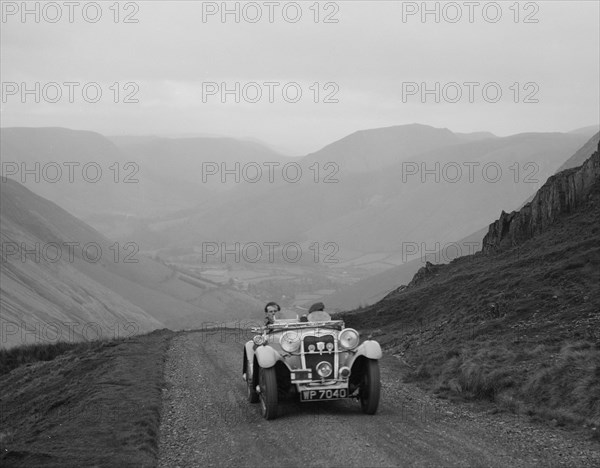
(316, 313)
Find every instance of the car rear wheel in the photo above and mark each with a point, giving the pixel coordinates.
(268, 392)
(370, 387)
(252, 394)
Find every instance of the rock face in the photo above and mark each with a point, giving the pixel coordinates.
(560, 194)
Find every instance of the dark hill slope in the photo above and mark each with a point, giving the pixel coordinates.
(519, 326)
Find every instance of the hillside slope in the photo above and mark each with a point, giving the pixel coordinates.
(92, 281)
(44, 295)
(378, 148)
(90, 177)
(183, 160)
(376, 212)
(374, 288)
(582, 154)
(518, 326)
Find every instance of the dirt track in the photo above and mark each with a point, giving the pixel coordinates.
(206, 421)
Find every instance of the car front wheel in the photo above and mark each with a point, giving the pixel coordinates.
(268, 392)
(370, 387)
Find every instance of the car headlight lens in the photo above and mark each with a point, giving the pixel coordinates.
(329, 346)
(290, 341)
(348, 338)
(324, 369)
(311, 347)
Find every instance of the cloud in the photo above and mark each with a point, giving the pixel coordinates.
(368, 54)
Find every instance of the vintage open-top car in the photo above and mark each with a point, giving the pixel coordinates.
(318, 359)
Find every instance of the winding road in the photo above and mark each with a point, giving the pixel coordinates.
(206, 421)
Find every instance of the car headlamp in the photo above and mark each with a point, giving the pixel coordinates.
(348, 338)
(290, 341)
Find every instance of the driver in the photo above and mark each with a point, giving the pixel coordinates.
(270, 310)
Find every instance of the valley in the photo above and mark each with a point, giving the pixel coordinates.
(318, 234)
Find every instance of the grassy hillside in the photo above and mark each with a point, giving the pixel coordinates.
(94, 404)
(520, 328)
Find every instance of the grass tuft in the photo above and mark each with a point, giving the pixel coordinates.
(27, 354)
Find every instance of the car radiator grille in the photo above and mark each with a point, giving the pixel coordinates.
(313, 358)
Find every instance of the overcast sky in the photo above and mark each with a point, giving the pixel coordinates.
(375, 59)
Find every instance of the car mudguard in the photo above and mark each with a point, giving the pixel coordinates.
(248, 355)
(266, 356)
(369, 349)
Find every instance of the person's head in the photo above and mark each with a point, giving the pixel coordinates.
(316, 307)
(271, 309)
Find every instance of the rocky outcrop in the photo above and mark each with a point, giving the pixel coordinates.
(561, 193)
(428, 271)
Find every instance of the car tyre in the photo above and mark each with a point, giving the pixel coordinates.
(370, 387)
(268, 392)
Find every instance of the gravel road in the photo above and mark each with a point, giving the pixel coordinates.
(206, 421)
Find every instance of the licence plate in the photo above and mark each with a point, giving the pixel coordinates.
(319, 394)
